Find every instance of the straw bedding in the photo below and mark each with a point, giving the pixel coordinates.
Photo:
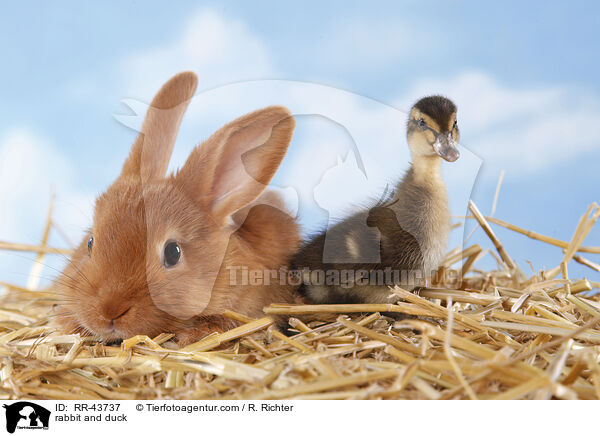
(482, 335)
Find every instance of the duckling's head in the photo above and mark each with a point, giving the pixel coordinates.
(432, 128)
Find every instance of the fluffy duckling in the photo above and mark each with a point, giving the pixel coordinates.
(407, 230)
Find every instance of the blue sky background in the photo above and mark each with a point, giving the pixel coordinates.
(524, 76)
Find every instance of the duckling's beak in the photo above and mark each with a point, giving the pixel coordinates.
(445, 146)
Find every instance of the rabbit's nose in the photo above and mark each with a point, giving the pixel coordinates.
(121, 314)
(113, 312)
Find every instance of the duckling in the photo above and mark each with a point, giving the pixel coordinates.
(407, 229)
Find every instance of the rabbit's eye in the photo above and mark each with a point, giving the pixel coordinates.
(90, 244)
(172, 254)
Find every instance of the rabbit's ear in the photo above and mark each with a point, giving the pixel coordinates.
(235, 165)
(151, 152)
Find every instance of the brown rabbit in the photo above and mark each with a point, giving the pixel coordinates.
(162, 250)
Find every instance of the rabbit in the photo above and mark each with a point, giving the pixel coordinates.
(402, 239)
(162, 250)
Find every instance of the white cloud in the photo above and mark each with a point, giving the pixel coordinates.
(29, 167)
(220, 50)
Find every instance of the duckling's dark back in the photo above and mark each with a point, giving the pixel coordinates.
(409, 236)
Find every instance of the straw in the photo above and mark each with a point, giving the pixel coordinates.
(488, 231)
(40, 249)
(483, 335)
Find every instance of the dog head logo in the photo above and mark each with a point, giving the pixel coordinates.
(26, 415)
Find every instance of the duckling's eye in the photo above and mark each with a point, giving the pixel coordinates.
(172, 254)
(90, 244)
(422, 123)
(455, 125)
